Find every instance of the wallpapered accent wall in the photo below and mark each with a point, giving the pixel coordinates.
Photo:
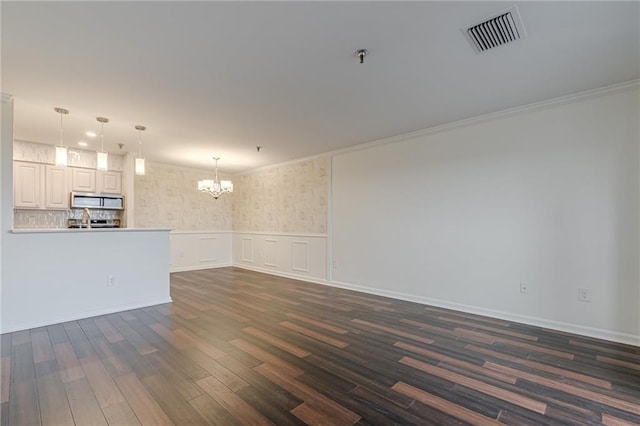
(168, 196)
(290, 198)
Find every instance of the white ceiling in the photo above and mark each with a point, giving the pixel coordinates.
(219, 78)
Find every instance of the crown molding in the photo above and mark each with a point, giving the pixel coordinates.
(561, 100)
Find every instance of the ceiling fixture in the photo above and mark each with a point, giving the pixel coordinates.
(91, 134)
(82, 143)
(140, 159)
(61, 149)
(361, 53)
(215, 187)
(102, 156)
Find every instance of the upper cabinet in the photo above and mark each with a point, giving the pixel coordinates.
(99, 182)
(83, 180)
(27, 185)
(109, 182)
(56, 195)
(44, 186)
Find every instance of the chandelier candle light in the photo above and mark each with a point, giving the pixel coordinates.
(102, 156)
(140, 159)
(61, 149)
(215, 187)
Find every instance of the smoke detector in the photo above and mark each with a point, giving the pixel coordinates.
(503, 28)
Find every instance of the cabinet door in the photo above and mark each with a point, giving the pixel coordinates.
(57, 187)
(109, 182)
(83, 180)
(27, 185)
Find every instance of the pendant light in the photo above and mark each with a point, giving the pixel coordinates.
(61, 149)
(102, 156)
(140, 159)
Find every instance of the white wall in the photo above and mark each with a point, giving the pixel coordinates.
(6, 180)
(301, 256)
(191, 250)
(459, 218)
(60, 276)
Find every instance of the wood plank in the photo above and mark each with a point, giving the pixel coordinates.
(314, 335)
(316, 400)
(52, 395)
(609, 420)
(496, 392)
(41, 345)
(84, 406)
(543, 367)
(568, 388)
(5, 378)
(70, 368)
(212, 412)
(171, 401)
(443, 405)
(498, 330)
(110, 333)
(240, 410)
(23, 403)
(103, 386)
(277, 342)
(141, 402)
(177, 341)
(615, 361)
(447, 360)
(319, 324)
(392, 330)
(120, 415)
(265, 356)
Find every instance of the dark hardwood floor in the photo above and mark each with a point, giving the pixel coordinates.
(242, 348)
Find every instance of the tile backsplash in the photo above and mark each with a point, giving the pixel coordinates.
(45, 219)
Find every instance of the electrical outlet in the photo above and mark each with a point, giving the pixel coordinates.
(524, 288)
(111, 280)
(336, 264)
(584, 295)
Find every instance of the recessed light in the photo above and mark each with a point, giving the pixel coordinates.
(82, 143)
(91, 134)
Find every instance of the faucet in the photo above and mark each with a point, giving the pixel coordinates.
(86, 218)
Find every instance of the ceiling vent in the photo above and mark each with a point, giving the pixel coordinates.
(506, 27)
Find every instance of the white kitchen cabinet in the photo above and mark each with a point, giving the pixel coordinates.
(109, 182)
(56, 194)
(28, 180)
(83, 180)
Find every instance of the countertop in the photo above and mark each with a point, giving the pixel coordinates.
(84, 230)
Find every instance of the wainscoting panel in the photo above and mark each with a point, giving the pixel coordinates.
(302, 256)
(271, 253)
(247, 250)
(191, 250)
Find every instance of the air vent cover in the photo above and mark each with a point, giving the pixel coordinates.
(506, 27)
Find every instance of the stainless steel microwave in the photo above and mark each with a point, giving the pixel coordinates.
(81, 200)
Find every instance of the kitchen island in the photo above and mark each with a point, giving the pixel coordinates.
(79, 273)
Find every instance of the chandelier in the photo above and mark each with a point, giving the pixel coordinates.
(215, 187)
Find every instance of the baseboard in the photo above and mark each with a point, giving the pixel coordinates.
(81, 315)
(199, 267)
(597, 333)
(282, 274)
